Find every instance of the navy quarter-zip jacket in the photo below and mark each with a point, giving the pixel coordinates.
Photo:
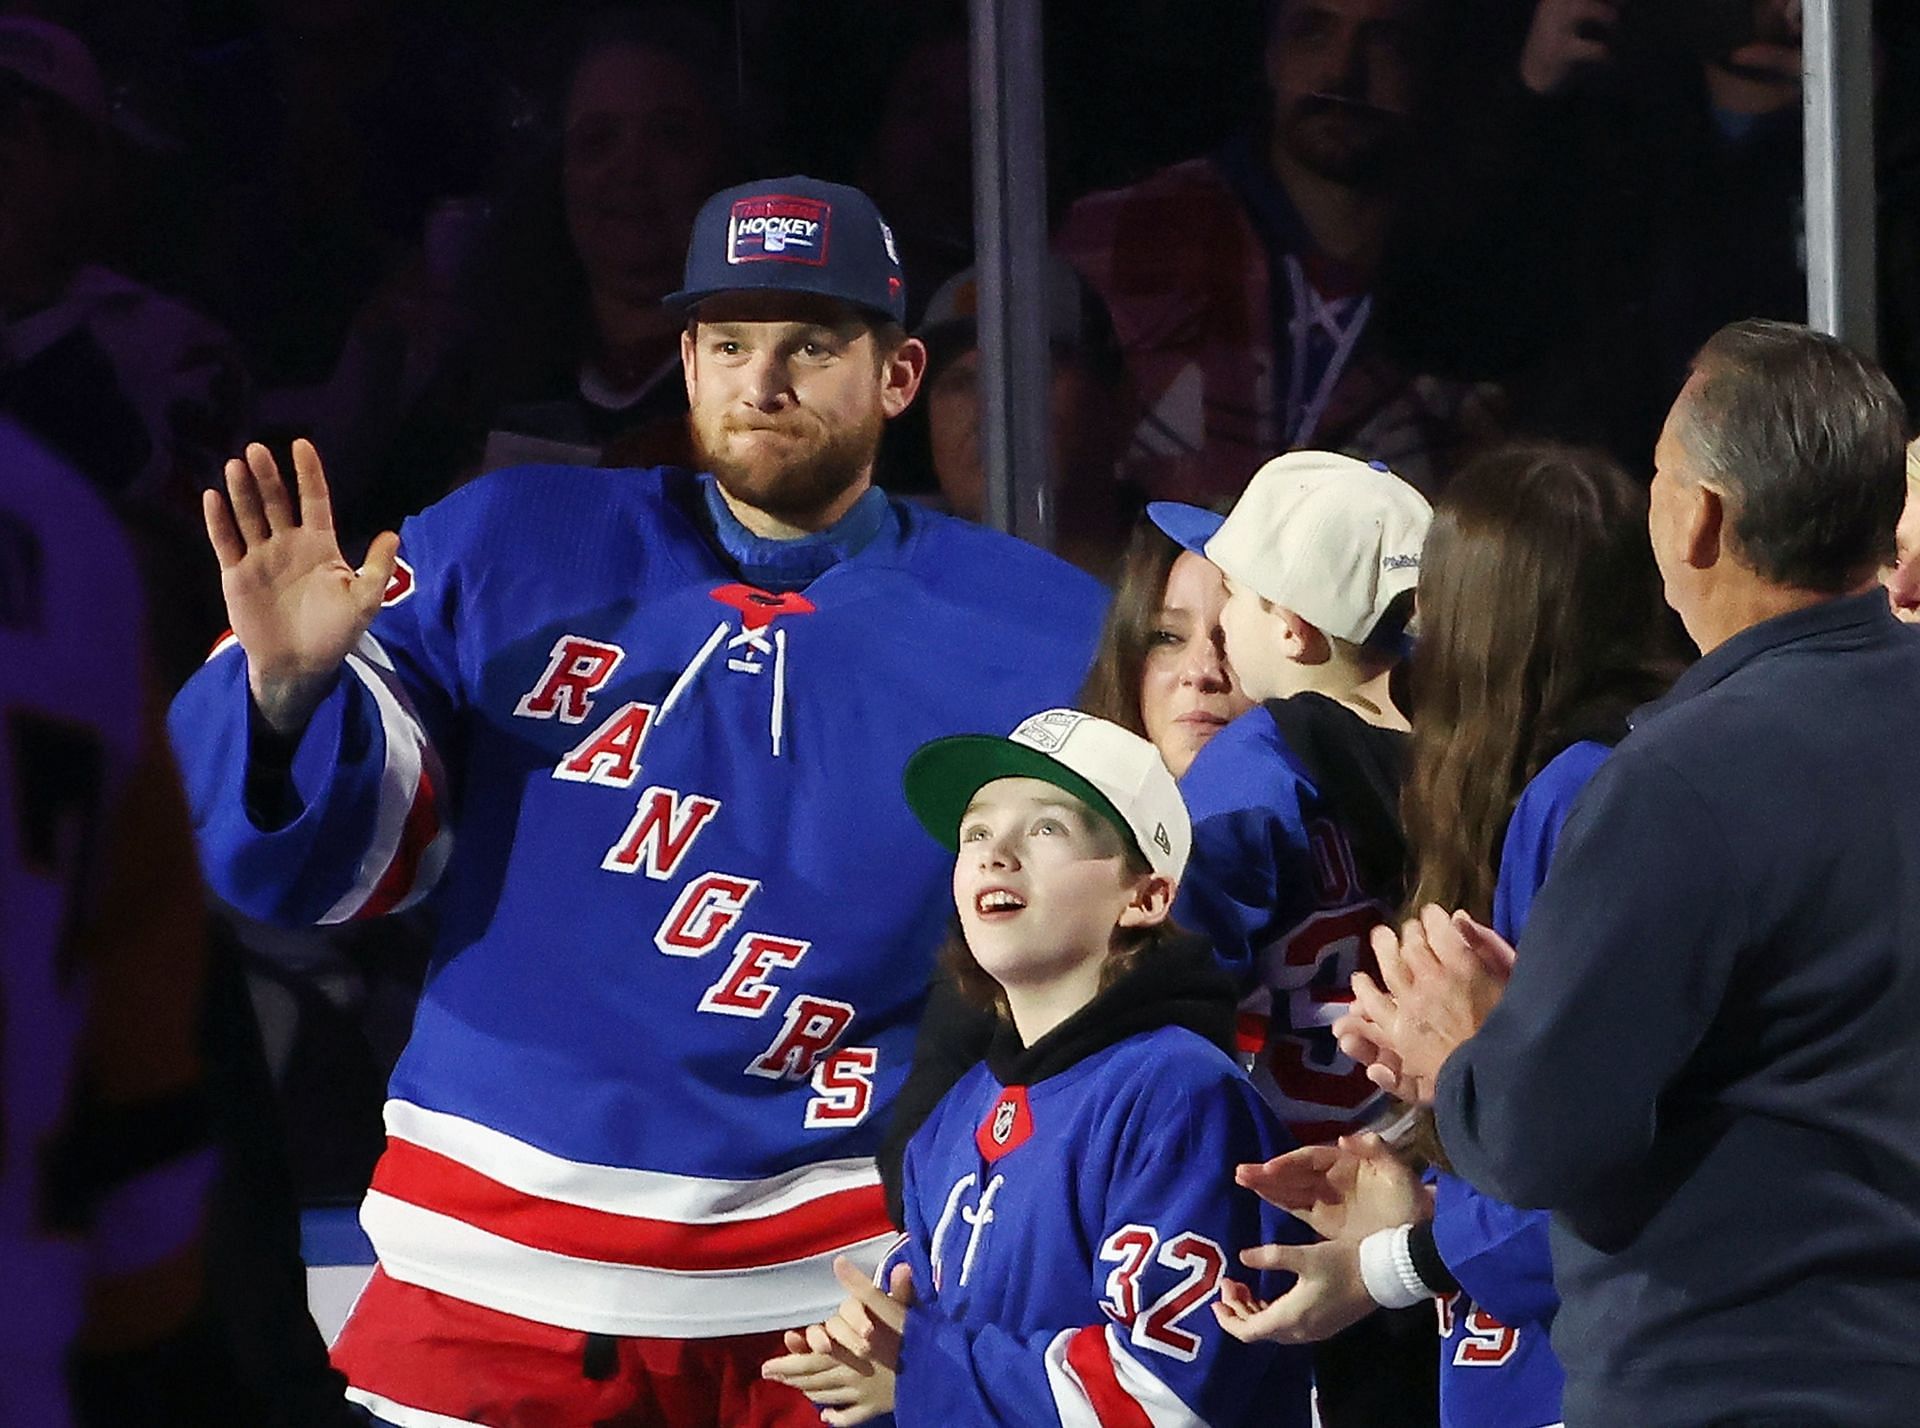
(1707, 1064)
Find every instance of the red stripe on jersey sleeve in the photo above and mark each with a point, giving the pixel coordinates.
(421, 828)
(1087, 1356)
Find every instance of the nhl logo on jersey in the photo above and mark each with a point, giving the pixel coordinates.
(1047, 732)
(1006, 1127)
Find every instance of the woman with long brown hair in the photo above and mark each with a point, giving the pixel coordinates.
(1541, 629)
(1161, 670)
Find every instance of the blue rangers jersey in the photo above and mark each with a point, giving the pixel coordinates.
(1071, 1212)
(1497, 1369)
(685, 920)
(1297, 855)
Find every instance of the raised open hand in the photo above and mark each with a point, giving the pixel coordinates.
(296, 606)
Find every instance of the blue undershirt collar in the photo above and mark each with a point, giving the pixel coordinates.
(777, 565)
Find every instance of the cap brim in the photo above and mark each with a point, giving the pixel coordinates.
(942, 777)
(685, 300)
(1189, 527)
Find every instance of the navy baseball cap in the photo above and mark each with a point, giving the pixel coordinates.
(1189, 527)
(796, 235)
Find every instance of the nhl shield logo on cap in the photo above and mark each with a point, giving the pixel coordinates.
(779, 228)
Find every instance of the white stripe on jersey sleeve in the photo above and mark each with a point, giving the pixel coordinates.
(1075, 1405)
(1163, 1406)
(1069, 1397)
(407, 754)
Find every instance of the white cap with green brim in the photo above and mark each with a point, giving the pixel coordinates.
(1115, 772)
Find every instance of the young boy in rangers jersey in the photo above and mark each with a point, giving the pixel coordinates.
(1298, 851)
(1069, 1216)
(1297, 845)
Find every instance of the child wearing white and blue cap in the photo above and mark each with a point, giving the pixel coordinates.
(1070, 1216)
(1298, 848)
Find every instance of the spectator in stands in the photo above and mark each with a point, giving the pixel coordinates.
(1540, 620)
(324, 132)
(138, 392)
(1903, 576)
(1242, 283)
(1086, 403)
(563, 350)
(1730, 1162)
(1600, 194)
(1162, 668)
(1161, 671)
(105, 1165)
(918, 160)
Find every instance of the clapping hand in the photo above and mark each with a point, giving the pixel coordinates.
(1343, 1192)
(1327, 1294)
(848, 1364)
(1443, 976)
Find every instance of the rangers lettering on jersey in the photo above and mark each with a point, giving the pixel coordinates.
(610, 755)
(630, 1105)
(661, 833)
(576, 668)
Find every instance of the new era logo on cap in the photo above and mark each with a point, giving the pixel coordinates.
(779, 228)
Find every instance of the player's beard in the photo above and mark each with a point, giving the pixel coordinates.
(793, 480)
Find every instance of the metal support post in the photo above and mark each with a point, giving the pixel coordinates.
(1837, 91)
(1010, 240)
